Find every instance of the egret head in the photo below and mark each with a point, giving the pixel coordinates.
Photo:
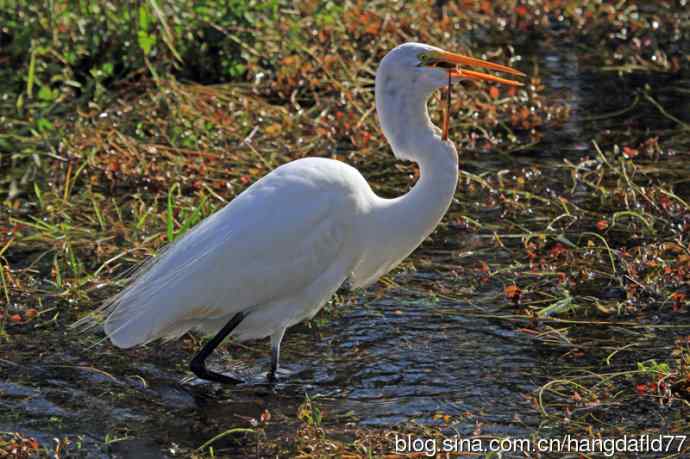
(406, 78)
(424, 68)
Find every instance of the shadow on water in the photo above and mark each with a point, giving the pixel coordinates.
(388, 361)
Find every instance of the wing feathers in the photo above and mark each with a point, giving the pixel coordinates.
(272, 240)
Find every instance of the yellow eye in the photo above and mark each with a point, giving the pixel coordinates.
(432, 59)
(424, 58)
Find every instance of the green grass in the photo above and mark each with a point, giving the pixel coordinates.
(123, 125)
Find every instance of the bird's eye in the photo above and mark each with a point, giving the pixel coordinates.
(423, 59)
(431, 61)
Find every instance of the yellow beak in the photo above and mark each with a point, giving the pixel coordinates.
(459, 59)
(450, 61)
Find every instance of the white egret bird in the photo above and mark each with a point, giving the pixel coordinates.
(273, 256)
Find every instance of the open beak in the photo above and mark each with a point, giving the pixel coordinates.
(458, 59)
(451, 61)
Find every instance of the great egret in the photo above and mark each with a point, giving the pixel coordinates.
(273, 256)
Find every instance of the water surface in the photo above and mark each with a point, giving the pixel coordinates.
(408, 355)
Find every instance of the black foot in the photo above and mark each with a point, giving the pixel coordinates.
(198, 365)
(201, 372)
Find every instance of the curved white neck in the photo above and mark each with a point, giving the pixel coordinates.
(412, 217)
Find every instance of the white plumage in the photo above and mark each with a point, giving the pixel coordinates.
(272, 248)
(274, 255)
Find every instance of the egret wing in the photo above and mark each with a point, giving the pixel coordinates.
(271, 241)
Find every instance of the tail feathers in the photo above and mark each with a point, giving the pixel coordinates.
(155, 303)
(130, 321)
(142, 311)
(149, 327)
(151, 309)
(132, 324)
(128, 332)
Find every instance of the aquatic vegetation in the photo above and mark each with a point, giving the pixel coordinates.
(568, 239)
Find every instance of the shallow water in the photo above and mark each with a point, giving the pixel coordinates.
(396, 360)
(406, 356)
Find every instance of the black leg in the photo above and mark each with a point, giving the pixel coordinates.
(198, 365)
(275, 350)
(276, 338)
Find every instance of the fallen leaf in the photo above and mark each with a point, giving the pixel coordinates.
(513, 293)
(557, 250)
(630, 152)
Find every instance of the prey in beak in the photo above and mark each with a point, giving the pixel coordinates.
(452, 61)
